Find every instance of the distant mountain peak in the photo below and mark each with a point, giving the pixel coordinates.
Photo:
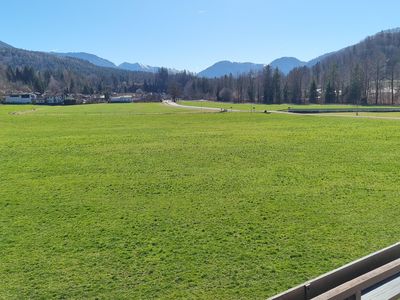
(138, 67)
(226, 67)
(287, 64)
(288, 58)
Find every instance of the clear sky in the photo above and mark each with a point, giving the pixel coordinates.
(192, 35)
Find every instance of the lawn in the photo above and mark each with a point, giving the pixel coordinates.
(142, 201)
(249, 106)
(368, 114)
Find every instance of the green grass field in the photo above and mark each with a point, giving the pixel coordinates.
(249, 107)
(371, 114)
(143, 201)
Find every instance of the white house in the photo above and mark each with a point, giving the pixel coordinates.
(20, 99)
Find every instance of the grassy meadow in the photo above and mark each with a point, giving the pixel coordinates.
(146, 201)
(261, 107)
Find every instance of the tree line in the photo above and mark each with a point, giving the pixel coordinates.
(366, 73)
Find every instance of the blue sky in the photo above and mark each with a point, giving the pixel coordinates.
(192, 35)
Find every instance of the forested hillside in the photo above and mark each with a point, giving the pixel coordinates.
(22, 70)
(94, 59)
(367, 72)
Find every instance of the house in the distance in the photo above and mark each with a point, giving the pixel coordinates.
(55, 100)
(20, 99)
(121, 99)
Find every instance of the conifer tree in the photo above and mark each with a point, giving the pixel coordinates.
(330, 94)
(313, 93)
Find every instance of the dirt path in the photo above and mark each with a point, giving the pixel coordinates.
(171, 103)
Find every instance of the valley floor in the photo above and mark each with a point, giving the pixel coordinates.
(152, 201)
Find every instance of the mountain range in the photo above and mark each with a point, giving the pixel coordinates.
(284, 64)
(102, 62)
(221, 68)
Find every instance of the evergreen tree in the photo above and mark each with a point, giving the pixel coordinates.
(251, 94)
(356, 86)
(286, 92)
(174, 90)
(145, 86)
(161, 80)
(99, 88)
(268, 88)
(313, 94)
(38, 85)
(10, 74)
(330, 94)
(28, 75)
(86, 90)
(18, 75)
(276, 87)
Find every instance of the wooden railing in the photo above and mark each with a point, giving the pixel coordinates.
(349, 280)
